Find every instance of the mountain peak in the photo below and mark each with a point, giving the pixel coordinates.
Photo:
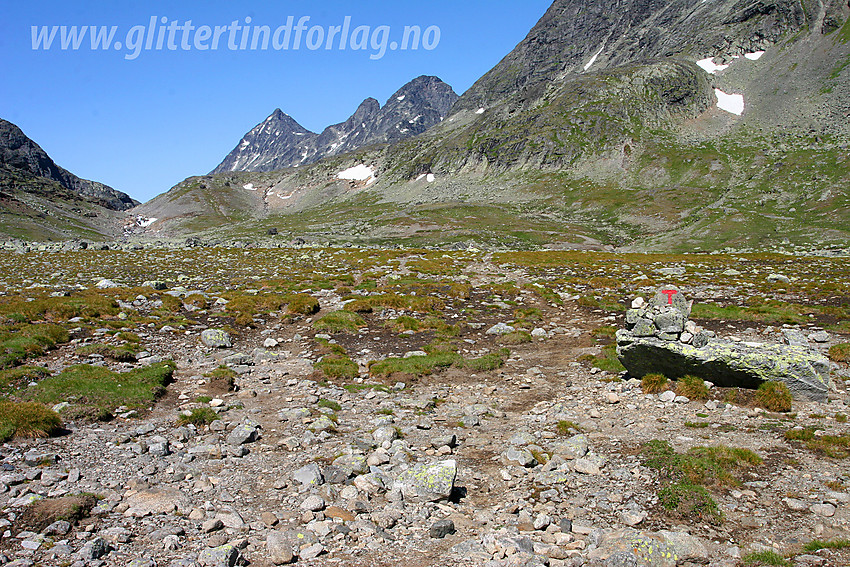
(280, 142)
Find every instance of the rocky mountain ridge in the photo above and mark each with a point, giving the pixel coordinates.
(22, 156)
(280, 142)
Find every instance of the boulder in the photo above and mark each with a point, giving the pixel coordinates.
(728, 364)
(428, 483)
(243, 433)
(216, 338)
(659, 338)
(223, 556)
(645, 549)
(284, 546)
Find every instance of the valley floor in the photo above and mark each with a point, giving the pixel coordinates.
(361, 364)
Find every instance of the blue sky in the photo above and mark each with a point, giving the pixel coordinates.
(143, 124)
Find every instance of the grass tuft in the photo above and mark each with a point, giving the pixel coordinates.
(692, 387)
(840, 352)
(340, 322)
(833, 446)
(123, 353)
(198, 417)
(818, 544)
(28, 420)
(338, 366)
(765, 558)
(302, 304)
(95, 392)
(566, 427)
(330, 404)
(515, 338)
(774, 396)
(686, 476)
(654, 383)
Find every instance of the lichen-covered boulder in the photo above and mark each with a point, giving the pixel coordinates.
(728, 364)
(223, 556)
(659, 339)
(216, 338)
(428, 483)
(644, 549)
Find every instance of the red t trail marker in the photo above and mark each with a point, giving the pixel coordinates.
(669, 293)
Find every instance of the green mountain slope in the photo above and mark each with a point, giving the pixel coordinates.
(599, 129)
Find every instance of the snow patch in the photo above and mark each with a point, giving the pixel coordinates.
(145, 222)
(421, 177)
(430, 178)
(590, 63)
(400, 98)
(732, 103)
(709, 66)
(357, 173)
(755, 56)
(480, 111)
(249, 187)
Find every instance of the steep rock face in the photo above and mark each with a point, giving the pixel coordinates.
(22, 158)
(576, 37)
(280, 142)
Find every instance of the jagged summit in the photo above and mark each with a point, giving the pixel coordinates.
(280, 142)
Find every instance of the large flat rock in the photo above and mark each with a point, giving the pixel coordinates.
(728, 364)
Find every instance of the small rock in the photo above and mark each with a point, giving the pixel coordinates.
(311, 551)
(94, 549)
(825, 510)
(778, 278)
(313, 503)
(796, 504)
(212, 525)
(269, 519)
(519, 456)
(667, 396)
(309, 475)
(279, 548)
(58, 528)
(820, 337)
(242, 434)
(340, 513)
(442, 528)
(586, 466)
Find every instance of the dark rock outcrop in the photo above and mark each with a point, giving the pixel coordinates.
(22, 157)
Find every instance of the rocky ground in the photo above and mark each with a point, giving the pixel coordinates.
(538, 462)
